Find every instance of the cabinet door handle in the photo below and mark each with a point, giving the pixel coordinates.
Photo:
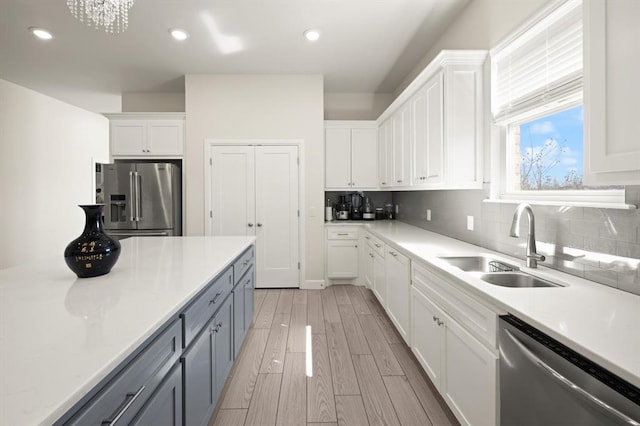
(128, 400)
(393, 253)
(377, 245)
(434, 318)
(215, 299)
(371, 254)
(368, 238)
(383, 183)
(440, 322)
(399, 181)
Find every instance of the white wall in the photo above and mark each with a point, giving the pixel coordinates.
(258, 107)
(152, 102)
(481, 25)
(355, 106)
(46, 153)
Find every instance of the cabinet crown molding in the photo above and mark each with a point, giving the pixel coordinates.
(146, 115)
(443, 59)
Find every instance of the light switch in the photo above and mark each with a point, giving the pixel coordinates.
(469, 223)
(428, 214)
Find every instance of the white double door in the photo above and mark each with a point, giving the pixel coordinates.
(255, 191)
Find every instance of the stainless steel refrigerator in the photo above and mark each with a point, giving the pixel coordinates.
(141, 199)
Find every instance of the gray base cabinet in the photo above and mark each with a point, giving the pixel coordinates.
(206, 366)
(176, 377)
(164, 408)
(242, 309)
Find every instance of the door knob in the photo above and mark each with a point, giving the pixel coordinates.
(259, 224)
(250, 225)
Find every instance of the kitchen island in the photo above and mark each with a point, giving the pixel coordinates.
(62, 336)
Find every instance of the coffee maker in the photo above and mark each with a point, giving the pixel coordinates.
(356, 207)
(342, 208)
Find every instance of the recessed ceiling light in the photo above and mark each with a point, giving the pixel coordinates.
(312, 35)
(41, 33)
(179, 35)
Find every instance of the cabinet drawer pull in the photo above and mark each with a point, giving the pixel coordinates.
(215, 299)
(432, 176)
(393, 253)
(368, 238)
(129, 399)
(399, 181)
(343, 234)
(383, 183)
(247, 282)
(377, 245)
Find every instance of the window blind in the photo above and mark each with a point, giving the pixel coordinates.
(539, 64)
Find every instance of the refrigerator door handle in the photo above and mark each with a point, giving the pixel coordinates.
(132, 190)
(138, 197)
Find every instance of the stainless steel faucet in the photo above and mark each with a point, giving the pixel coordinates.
(532, 256)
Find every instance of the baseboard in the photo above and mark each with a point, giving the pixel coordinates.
(313, 285)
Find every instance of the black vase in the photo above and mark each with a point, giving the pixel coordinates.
(93, 253)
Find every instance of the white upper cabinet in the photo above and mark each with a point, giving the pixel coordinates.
(437, 125)
(351, 155)
(385, 154)
(611, 62)
(463, 124)
(146, 135)
(428, 134)
(401, 146)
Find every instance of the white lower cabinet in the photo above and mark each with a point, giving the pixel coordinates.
(342, 253)
(463, 368)
(470, 377)
(398, 280)
(379, 279)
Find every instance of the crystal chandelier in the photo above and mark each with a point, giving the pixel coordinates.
(112, 15)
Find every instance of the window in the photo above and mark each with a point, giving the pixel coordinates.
(536, 100)
(546, 152)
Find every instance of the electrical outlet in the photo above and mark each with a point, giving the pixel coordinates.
(469, 223)
(428, 214)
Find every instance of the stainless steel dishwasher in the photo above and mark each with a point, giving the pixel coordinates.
(542, 382)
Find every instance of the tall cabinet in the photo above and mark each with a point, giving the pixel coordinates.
(254, 190)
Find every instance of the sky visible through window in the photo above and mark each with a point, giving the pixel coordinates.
(551, 151)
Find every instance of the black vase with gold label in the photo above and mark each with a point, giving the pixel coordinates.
(93, 253)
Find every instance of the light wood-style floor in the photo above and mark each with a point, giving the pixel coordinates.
(363, 373)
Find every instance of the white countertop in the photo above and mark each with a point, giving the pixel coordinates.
(61, 335)
(599, 322)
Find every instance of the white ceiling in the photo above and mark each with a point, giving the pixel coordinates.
(365, 45)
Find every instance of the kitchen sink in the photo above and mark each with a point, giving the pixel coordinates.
(516, 280)
(479, 264)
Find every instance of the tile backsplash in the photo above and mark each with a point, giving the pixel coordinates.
(601, 245)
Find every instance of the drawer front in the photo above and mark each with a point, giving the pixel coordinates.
(474, 316)
(376, 245)
(125, 395)
(342, 234)
(203, 308)
(243, 263)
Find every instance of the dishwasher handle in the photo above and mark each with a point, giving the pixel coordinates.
(568, 383)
